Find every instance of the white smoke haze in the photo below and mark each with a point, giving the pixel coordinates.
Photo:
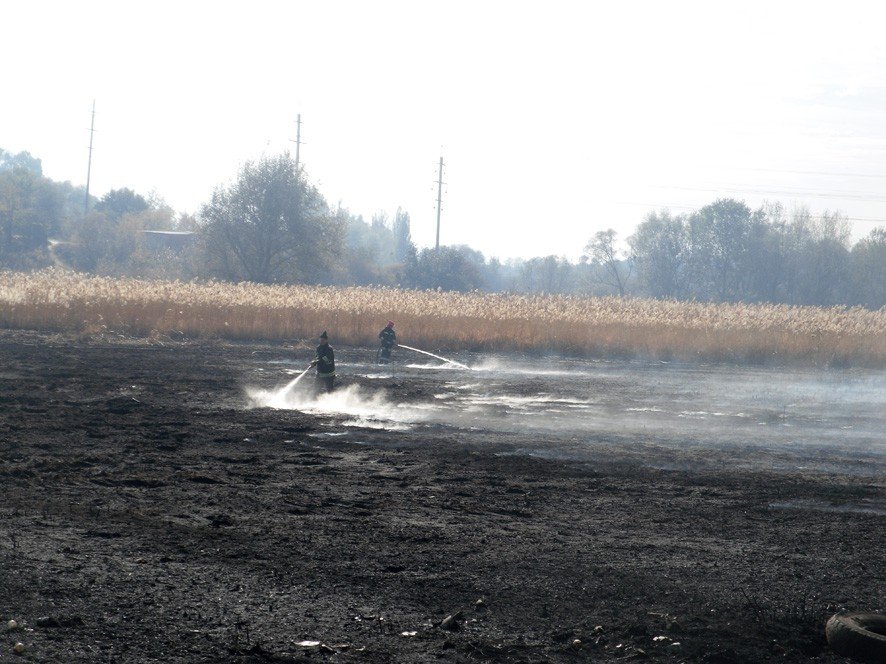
(435, 367)
(361, 408)
(817, 416)
(864, 506)
(511, 368)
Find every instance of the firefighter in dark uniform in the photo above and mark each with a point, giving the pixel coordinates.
(388, 341)
(325, 364)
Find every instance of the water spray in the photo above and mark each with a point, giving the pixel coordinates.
(424, 352)
(294, 382)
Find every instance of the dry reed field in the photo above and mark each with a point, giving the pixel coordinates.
(69, 302)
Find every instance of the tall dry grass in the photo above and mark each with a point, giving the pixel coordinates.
(64, 301)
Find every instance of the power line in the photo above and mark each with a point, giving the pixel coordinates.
(738, 189)
(825, 173)
(665, 206)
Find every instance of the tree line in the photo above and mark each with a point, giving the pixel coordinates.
(271, 225)
(726, 252)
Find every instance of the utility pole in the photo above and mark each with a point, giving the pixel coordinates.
(439, 201)
(297, 140)
(89, 163)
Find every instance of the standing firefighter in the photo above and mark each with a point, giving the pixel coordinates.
(325, 364)
(388, 341)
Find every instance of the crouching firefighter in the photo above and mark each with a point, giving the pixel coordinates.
(388, 340)
(325, 363)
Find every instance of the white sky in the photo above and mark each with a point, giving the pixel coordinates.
(555, 119)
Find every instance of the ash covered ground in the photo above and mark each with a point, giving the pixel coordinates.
(168, 503)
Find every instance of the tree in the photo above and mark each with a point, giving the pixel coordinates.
(68, 202)
(768, 258)
(270, 225)
(457, 268)
(187, 222)
(493, 275)
(404, 249)
(33, 208)
(29, 210)
(548, 274)
(869, 269)
(658, 246)
(615, 270)
(720, 250)
(817, 259)
(362, 263)
(405, 253)
(118, 247)
(830, 260)
(118, 202)
(22, 160)
(91, 241)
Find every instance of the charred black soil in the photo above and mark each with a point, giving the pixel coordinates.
(148, 515)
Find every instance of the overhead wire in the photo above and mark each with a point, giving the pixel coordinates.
(738, 189)
(797, 172)
(665, 206)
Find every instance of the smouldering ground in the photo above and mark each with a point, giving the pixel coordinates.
(150, 514)
(691, 414)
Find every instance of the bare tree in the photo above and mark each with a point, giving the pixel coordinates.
(614, 268)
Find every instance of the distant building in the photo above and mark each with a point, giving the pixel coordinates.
(177, 241)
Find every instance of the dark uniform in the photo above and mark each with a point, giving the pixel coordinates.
(325, 364)
(388, 341)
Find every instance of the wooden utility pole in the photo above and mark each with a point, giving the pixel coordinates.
(439, 201)
(89, 163)
(297, 140)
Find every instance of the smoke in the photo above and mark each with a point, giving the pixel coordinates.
(511, 368)
(865, 506)
(554, 407)
(354, 405)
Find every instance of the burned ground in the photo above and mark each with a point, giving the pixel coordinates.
(148, 515)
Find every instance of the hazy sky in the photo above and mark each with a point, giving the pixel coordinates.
(554, 119)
